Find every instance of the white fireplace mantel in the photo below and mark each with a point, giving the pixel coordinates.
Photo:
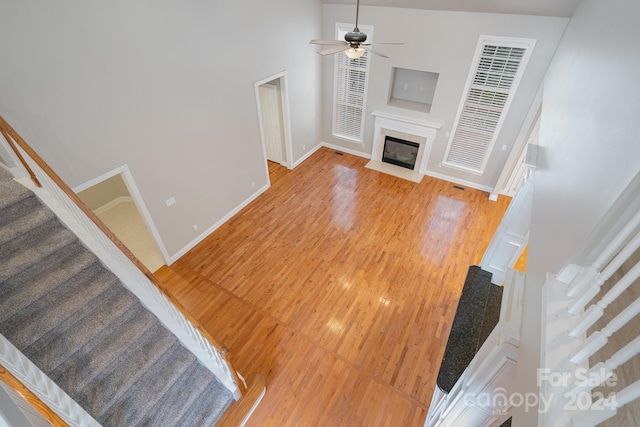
(425, 132)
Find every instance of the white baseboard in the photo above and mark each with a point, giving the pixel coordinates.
(255, 195)
(345, 150)
(113, 203)
(306, 156)
(215, 226)
(459, 181)
(428, 173)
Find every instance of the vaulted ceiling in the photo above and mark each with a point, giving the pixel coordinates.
(564, 8)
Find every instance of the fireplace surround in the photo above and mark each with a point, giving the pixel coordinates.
(419, 132)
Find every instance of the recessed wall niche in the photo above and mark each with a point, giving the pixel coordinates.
(412, 89)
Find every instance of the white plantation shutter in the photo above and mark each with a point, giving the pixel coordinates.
(493, 81)
(351, 78)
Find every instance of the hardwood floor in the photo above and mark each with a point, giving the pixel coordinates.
(339, 284)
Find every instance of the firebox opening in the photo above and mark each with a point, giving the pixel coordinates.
(400, 152)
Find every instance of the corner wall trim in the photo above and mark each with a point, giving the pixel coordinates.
(306, 156)
(219, 223)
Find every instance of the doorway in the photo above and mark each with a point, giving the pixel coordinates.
(273, 116)
(114, 198)
(271, 111)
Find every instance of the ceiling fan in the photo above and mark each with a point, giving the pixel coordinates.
(353, 44)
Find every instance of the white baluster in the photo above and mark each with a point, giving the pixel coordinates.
(596, 311)
(604, 409)
(602, 371)
(597, 340)
(587, 296)
(583, 280)
(589, 284)
(590, 275)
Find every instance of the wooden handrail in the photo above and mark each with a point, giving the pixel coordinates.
(18, 153)
(33, 400)
(6, 129)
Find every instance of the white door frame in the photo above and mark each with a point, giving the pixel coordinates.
(130, 183)
(286, 119)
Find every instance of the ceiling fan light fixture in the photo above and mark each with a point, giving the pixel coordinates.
(354, 53)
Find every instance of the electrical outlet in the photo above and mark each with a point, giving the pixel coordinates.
(195, 227)
(170, 201)
(304, 146)
(253, 185)
(405, 86)
(504, 148)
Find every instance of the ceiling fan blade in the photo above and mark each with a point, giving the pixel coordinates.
(332, 50)
(377, 53)
(376, 44)
(327, 42)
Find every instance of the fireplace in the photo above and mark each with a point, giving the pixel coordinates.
(400, 152)
(415, 137)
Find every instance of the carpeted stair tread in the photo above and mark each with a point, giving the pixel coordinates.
(12, 192)
(18, 297)
(38, 279)
(60, 347)
(176, 403)
(31, 237)
(26, 258)
(99, 390)
(78, 296)
(24, 223)
(206, 410)
(154, 381)
(5, 174)
(14, 211)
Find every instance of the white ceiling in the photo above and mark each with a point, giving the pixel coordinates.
(563, 8)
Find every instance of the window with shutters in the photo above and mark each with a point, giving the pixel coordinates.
(350, 82)
(493, 79)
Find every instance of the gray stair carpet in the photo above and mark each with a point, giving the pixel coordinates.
(74, 319)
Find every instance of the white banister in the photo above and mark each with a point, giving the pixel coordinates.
(596, 311)
(617, 242)
(598, 339)
(131, 277)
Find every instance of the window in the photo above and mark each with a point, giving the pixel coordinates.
(493, 79)
(350, 82)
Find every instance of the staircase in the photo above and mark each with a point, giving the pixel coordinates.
(73, 318)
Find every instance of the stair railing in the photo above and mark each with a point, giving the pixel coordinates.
(28, 396)
(568, 380)
(118, 258)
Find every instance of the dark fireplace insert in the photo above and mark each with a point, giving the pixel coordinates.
(400, 152)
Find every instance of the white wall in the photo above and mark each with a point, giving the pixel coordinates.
(163, 86)
(444, 43)
(590, 149)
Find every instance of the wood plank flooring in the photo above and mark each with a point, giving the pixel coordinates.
(340, 285)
